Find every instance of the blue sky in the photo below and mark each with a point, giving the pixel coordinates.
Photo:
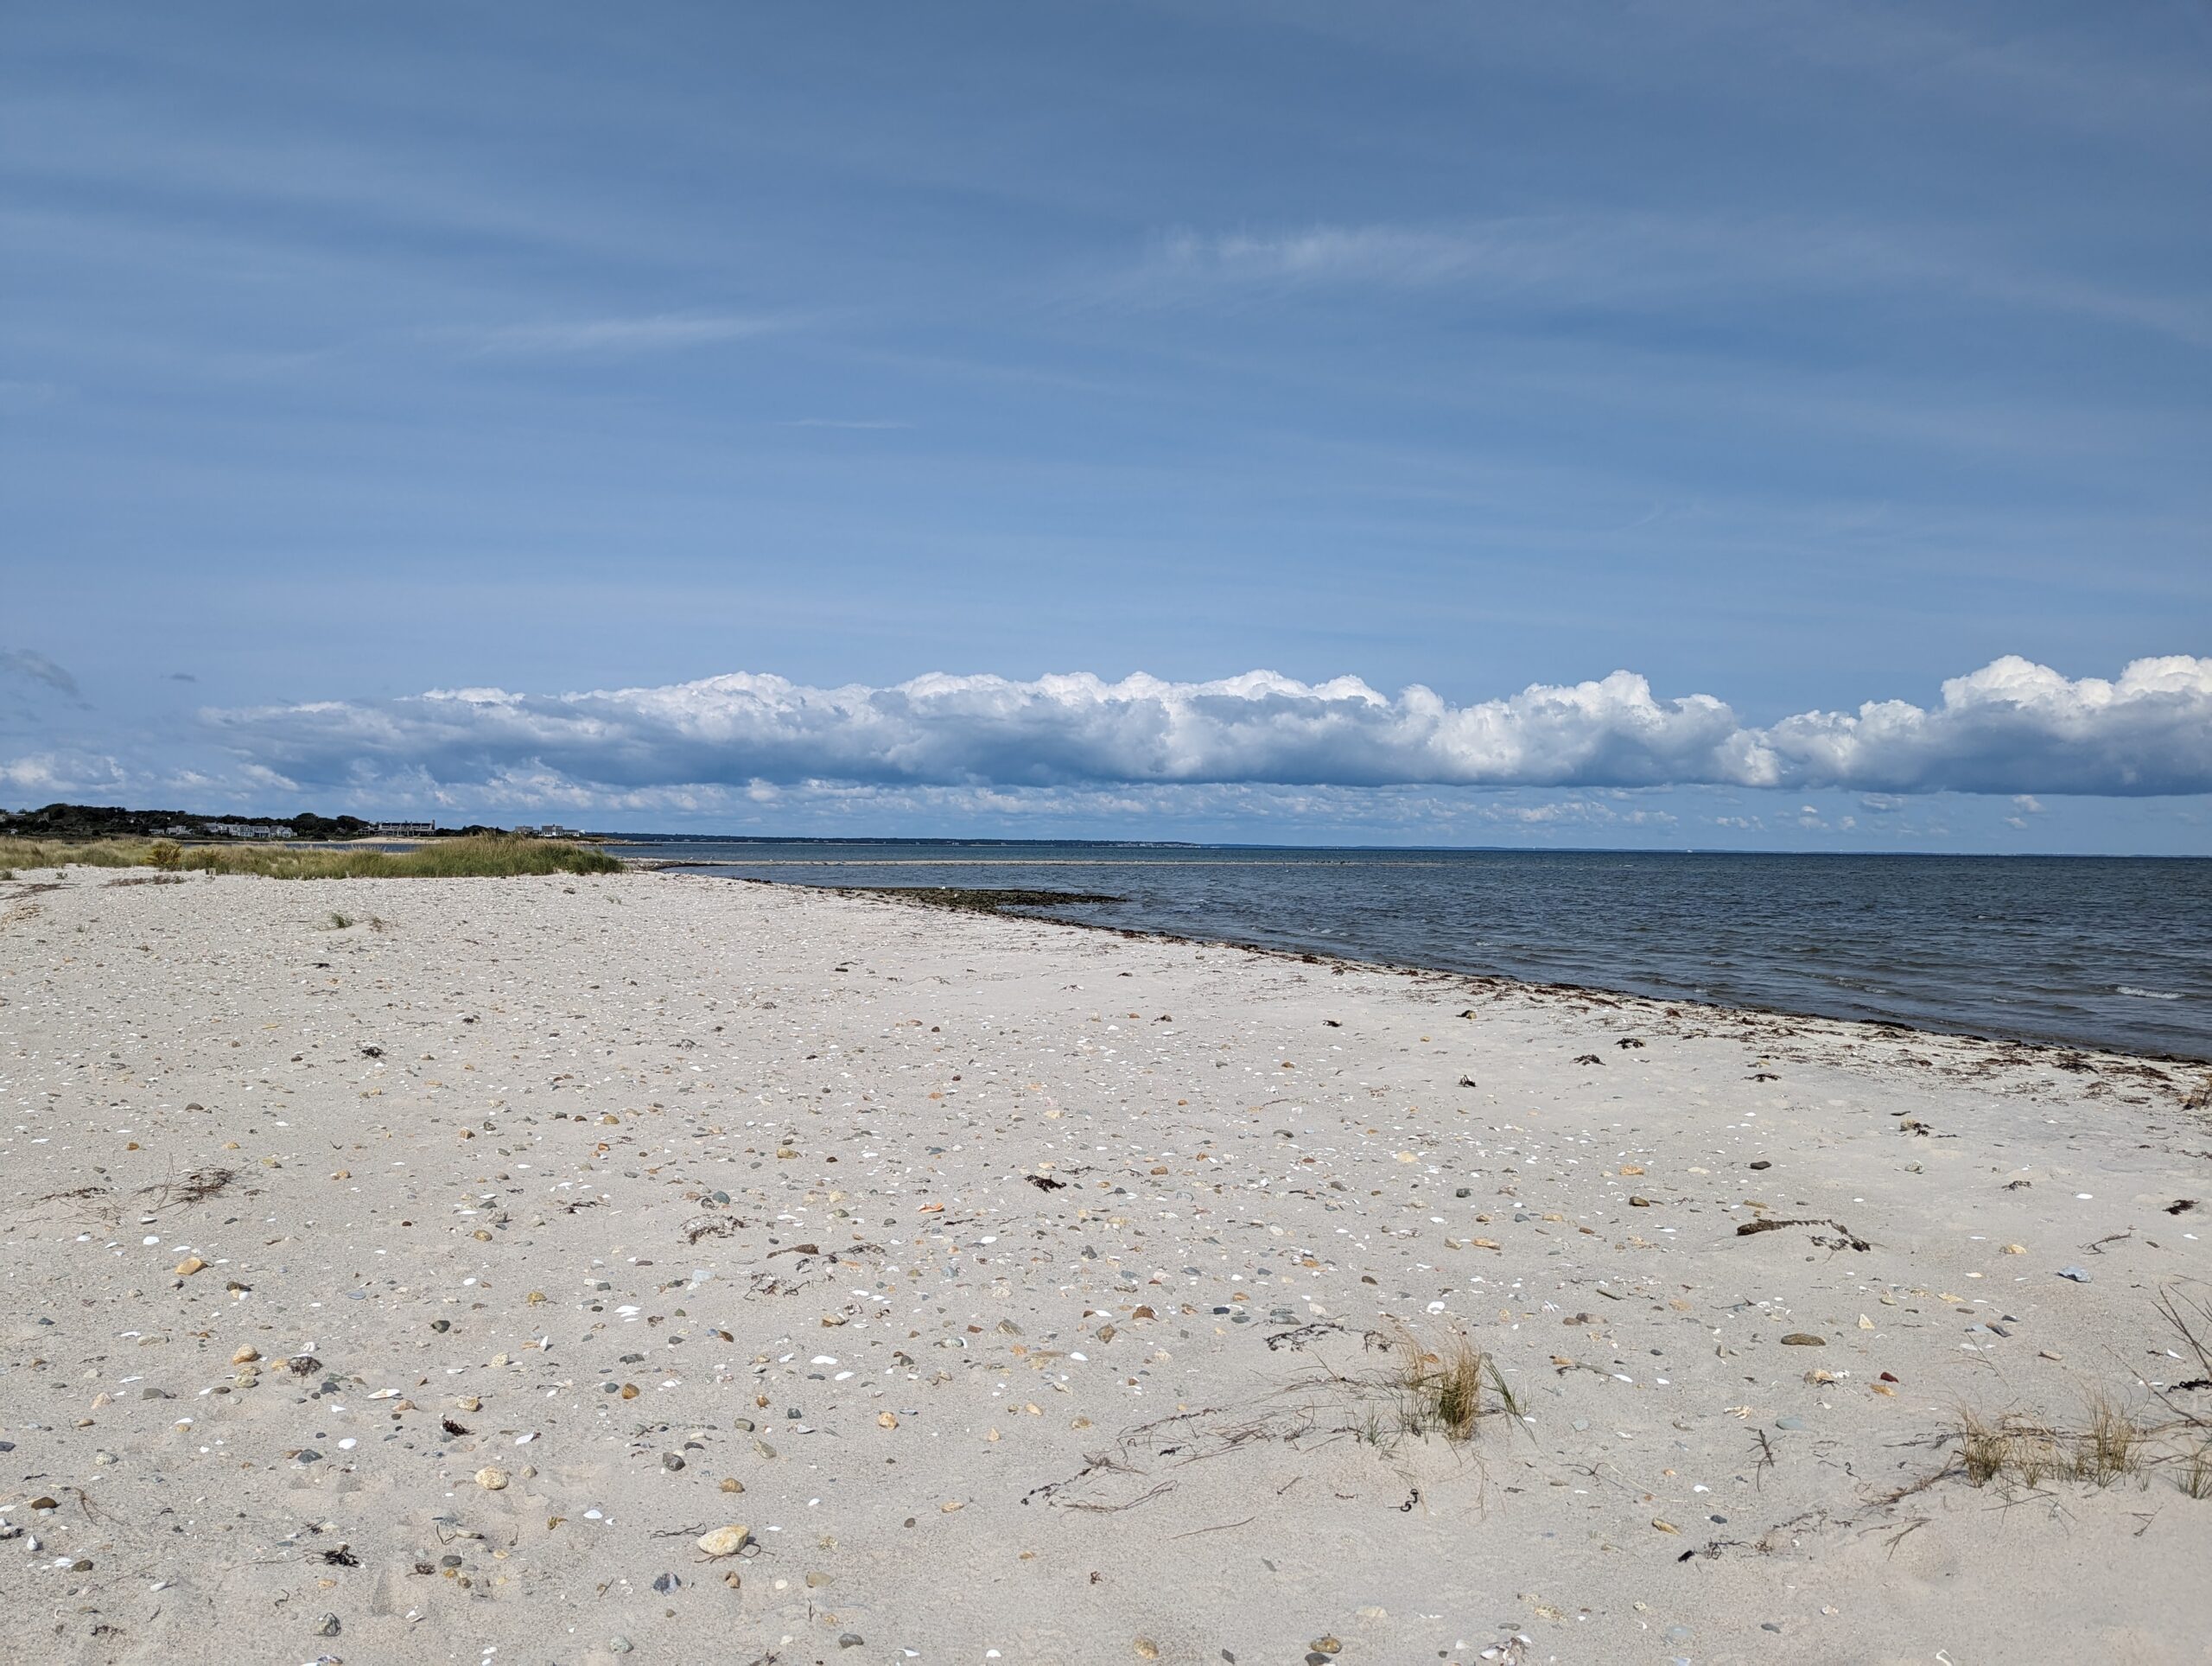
(1793, 356)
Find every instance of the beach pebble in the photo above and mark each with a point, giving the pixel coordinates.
(1804, 1339)
(491, 1480)
(724, 1540)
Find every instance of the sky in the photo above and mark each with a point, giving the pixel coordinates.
(1693, 424)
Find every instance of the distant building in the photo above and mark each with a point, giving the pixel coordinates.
(248, 831)
(406, 829)
(551, 830)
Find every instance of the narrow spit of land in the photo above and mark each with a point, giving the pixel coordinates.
(644, 1265)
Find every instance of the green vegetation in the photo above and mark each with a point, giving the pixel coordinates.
(67, 821)
(1448, 1388)
(54, 852)
(480, 856)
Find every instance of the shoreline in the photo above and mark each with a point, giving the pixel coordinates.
(454, 1277)
(1598, 993)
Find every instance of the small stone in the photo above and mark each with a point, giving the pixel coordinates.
(1328, 1645)
(620, 1645)
(886, 1420)
(246, 1355)
(724, 1540)
(2075, 1273)
(670, 1460)
(1804, 1339)
(731, 1483)
(328, 1628)
(190, 1265)
(491, 1480)
(850, 1639)
(1147, 1648)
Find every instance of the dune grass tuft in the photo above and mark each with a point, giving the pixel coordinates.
(2111, 1445)
(1447, 1388)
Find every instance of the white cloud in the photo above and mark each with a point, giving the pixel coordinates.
(2012, 727)
(45, 777)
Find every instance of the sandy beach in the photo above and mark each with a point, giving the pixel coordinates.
(427, 1286)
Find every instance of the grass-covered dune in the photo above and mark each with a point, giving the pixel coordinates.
(483, 856)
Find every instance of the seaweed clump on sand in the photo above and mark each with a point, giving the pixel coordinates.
(979, 899)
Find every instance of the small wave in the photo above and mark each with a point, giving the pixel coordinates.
(2147, 994)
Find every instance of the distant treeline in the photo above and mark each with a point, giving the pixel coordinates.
(60, 821)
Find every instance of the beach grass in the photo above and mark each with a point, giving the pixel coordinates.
(91, 853)
(2111, 1445)
(477, 856)
(1447, 1388)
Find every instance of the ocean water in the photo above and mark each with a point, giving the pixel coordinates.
(2092, 951)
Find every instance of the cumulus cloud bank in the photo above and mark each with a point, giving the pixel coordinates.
(2012, 727)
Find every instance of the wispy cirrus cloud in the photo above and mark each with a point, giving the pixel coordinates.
(653, 333)
(1644, 259)
(2012, 727)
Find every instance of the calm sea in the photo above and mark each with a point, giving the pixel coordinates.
(2095, 952)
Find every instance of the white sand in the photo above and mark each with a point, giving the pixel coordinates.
(571, 1070)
